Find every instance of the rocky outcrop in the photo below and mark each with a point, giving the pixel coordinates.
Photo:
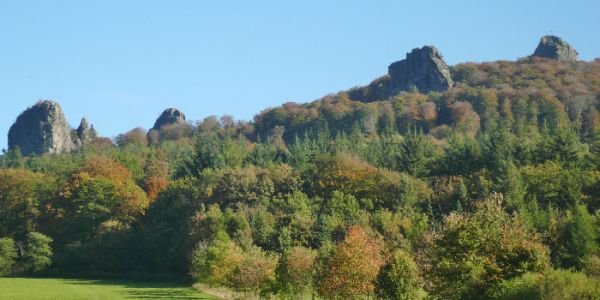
(40, 129)
(83, 134)
(423, 69)
(554, 47)
(170, 116)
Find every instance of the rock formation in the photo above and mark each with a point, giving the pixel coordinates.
(170, 116)
(40, 129)
(423, 69)
(83, 134)
(554, 47)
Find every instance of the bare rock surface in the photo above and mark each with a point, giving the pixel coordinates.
(423, 69)
(41, 128)
(171, 116)
(554, 47)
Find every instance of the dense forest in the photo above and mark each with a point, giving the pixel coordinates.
(489, 190)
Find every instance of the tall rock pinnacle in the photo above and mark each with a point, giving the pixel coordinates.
(41, 128)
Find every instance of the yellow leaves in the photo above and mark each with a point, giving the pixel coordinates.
(300, 265)
(16, 184)
(225, 262)
(254, 271)
(134, 200)
(131, 200)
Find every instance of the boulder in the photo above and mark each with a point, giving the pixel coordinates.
(423, 69)
(554, 47)
(41, 128)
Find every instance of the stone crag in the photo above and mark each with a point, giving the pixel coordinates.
(554, 47)
(83, 134)
(423, 69)
(171, 116)
(42, 128)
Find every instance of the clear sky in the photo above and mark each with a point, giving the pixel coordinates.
(121, 62)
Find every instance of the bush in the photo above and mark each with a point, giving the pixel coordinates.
(255, 272)
(214, 263)
(592, 266)
(562, 284)
(471, 253)
(8, 254)
(38, 254)
(399, 279)
(295, 271)
(523, 287)
(223, 263)
(554, 285)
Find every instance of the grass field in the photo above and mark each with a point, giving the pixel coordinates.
(67, 289)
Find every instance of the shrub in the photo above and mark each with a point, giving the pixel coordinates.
(255, 272)
(214, 263)
(553, 285)
(473, 252)
(38, 254)
(399, 279)
(295, 271)
(592, 266)
(8, 254)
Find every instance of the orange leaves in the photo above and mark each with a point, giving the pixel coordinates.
(353, 267)
(154, 185)
(157, 176)
(106, 167)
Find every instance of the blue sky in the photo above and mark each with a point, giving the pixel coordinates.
(121, 62)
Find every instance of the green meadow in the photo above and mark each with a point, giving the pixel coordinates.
(67, 289)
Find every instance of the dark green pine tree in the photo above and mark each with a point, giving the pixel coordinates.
(578, 238)
(595, 152)
(415, 153)
(562, 146)
(462, 156)
(498, 149)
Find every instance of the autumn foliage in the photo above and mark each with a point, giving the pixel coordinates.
(352, 268)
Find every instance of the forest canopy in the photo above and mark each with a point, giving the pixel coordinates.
(490, 189)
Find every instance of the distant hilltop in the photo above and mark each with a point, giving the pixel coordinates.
(42, 128)
(424, 70)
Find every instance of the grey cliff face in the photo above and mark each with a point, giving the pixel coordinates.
(423, 69)
(170, 116)
(554, 47)
(42, 128)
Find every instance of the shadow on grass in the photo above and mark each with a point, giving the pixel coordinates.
(148, 290)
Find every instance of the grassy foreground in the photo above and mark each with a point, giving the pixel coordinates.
(67, 289)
